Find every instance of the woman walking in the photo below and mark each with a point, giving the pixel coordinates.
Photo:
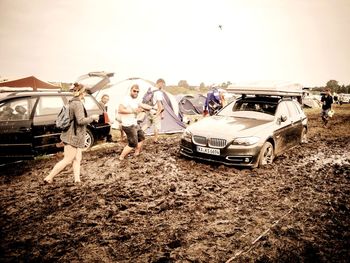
(74, 137)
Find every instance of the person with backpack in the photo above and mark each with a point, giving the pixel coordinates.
(155, 115)
(214, 101)
(74, 137)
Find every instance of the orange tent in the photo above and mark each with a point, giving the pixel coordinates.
(28, 82)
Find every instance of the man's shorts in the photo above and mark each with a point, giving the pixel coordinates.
(324, 113)
(135, 134)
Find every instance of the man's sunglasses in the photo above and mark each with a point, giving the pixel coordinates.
(137, 91)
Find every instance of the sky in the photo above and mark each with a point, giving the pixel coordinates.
(303, 41)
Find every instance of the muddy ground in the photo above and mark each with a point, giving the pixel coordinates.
(159, 207)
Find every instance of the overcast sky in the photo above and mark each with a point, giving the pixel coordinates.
(305, 41)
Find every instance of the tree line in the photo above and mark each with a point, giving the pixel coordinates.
(333, 85)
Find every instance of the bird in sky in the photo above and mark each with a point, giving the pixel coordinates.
(220, 26)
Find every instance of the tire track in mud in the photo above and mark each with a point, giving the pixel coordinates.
(319, 177)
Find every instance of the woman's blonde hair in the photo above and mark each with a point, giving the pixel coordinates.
(78, 89)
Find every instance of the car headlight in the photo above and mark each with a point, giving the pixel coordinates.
(187, 136)
(246, 140)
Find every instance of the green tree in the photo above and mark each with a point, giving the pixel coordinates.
(226, 84)
(183, 84)
(333, 85)
(342, 89)
(347, 89)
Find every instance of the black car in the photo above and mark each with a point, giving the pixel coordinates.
(27, 123)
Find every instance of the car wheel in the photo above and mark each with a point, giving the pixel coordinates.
(303, 137)
(89, 140)
(266, 154)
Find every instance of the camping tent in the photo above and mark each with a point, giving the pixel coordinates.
(309, 102)
(186, 106)
(171, 122)
(28, 82)
(198, 102)
(191, 104)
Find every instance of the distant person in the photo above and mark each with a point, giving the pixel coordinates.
(156, 114)
(7, 113)
(326, 101)
(128, 110)
(74, 137)
(335, 98)
(20, 113)
(104, 103)
(214, 101)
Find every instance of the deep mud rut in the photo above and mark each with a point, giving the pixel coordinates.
(159, 207)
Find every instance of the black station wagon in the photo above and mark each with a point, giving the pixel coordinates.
(27, 123)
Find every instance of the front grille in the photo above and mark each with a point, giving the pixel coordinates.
(200, 140)
(217, 143)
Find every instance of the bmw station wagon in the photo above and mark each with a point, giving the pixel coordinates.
(27, 123)
(249, 131)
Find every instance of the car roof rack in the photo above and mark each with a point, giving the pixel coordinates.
(26, 89)
(268, 89)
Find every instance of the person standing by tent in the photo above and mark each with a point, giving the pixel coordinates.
(103, 102)
(74, 137)
(128, 110)
(327, 101)
(213, 102)
(155, 115)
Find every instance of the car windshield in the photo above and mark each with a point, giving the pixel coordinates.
(250, 108)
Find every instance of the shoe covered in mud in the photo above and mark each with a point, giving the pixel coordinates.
(47, 181)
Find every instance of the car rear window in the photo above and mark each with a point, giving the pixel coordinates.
(90, 103)
(258, 106)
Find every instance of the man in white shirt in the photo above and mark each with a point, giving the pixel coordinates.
(128, 110)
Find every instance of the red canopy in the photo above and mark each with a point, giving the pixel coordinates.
(31, 82)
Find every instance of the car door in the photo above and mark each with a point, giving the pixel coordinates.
(16, 138)
(283, 131)
(46, 134)
(93, 107)
(296, 123)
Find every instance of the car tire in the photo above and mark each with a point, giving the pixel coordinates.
(303, 136)
(266, 155)
(89, 140)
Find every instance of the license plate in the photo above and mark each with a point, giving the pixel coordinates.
(208, 150)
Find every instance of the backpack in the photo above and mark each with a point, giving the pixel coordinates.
(63, 120)
(148, 97)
